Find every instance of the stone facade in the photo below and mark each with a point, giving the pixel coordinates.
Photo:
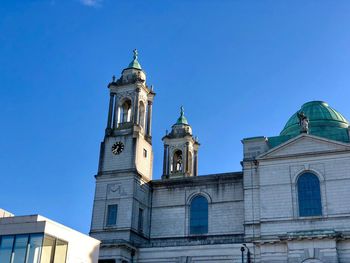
(258, 206)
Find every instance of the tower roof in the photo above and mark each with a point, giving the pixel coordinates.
(182, 119)
(324, 122)
(134, 63)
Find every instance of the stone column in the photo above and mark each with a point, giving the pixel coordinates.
(195, 164)
(110, 111)
(168, 160)
(165, 160)
(115, 121)
(136, 107)
(184, 159)
(187, 157)
(149, 121)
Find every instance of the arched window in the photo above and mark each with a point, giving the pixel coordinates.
(142, 115)
(177, 161)
(199, 215)
(309, 196)
(125, 112)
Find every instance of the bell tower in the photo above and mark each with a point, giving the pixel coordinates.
(121, 209)
(180, 150)
(128, 136)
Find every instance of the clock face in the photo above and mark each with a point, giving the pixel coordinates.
(117, 148)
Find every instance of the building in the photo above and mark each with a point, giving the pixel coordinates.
(36, 239)
(288, 204)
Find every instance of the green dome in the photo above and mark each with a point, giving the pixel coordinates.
(324, 122)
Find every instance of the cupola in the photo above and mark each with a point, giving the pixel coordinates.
(134, 71)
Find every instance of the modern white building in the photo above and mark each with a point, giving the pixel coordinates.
(289, 203)
(36, 239)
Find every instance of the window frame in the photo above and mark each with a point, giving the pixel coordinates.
(317, 192)
(107, 223)
(190, 203)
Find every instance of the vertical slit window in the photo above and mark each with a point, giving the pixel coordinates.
(140, 222)
(112, 211)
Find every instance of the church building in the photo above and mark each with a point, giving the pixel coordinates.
(289, 203)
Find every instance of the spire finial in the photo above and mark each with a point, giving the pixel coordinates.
(182, 111)
(134, 63)
(136, 53)
(182, 119)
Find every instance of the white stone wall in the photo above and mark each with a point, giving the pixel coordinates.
(130, 193)
(115, 189)
(225, 253)
(124, 160)
(144, 164)
(278, 192)
(4, 213)
(170, 207)
(319, 250)
(271, 200)
(262, 206)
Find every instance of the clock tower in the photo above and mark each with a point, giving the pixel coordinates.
(121, 210)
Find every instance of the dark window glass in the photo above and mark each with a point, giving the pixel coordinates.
(199, 215)
(106, 261)
(140, 224)
(34, 249)
(19, 251)
(6, 248)
(309, 195)
(112, 215)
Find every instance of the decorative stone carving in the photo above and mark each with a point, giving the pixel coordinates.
(129, 94)
(116, 190)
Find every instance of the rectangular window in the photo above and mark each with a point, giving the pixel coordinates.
(112, 215)
(34, 249)
(140, 223)
(19, 251)
(145, 153)
(6, 248)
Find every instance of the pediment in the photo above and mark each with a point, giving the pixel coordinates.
(305, 144)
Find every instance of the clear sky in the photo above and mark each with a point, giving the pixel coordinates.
(240, 69)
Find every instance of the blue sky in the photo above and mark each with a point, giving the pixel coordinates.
(240, 69)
